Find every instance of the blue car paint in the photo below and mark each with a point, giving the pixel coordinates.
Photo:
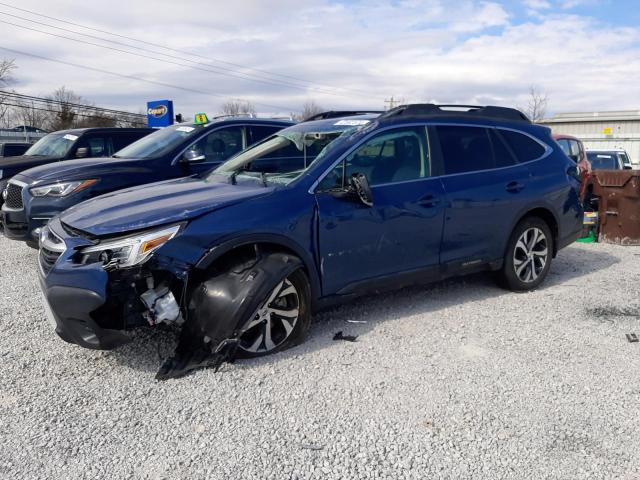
(426, 228)
(113, 174)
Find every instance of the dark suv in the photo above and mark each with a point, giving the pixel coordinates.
(38, 194)
(318, 213)
(69, 144)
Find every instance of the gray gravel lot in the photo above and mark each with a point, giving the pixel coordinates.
(456, 380)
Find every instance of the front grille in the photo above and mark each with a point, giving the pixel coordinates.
(14, 197)
(48, 259)
(51, 247)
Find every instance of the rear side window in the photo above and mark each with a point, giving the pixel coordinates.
(260, 132)
(465, 149)
(121, 140)
(524, 147)
(14, 150)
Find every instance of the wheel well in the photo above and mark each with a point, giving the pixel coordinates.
(549, 219)
(250, 250)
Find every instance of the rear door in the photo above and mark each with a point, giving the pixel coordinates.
(485, 189)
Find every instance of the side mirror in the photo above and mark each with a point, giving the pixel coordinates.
(360, 185)
(82, 152)
(193, 156)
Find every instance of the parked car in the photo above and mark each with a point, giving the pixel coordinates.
(574, 149)
(13, 149)
(38, 194)
(68, 144)
(609, 159)
(605, 160)
(316, 214)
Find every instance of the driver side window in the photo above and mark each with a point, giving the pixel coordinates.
(390, 157)
(220, 145)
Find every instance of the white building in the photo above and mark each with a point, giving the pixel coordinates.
(602, 130)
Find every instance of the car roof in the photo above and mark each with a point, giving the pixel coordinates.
(562, 136)
(80, 131)
(235, 119)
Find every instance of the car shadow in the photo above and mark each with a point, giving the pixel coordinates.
(150, 346)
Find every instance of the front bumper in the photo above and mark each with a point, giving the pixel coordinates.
(70, 308)
(17, 226)
(74, 293)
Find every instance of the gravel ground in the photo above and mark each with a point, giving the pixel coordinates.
(457, 380)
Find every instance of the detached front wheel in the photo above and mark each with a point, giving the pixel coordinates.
(282, 319)
(528, 257)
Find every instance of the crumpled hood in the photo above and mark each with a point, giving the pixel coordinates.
(73, 169)
(157, 204)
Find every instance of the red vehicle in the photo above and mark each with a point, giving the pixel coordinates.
(574, 149)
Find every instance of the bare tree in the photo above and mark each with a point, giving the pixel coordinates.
(309, 109)
(536, 108)
(238, 107)
(30, 114)
(6, 67)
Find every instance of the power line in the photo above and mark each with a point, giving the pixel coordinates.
(310, 85)
(136, 78)
(84, 42)
(239, 75)
(77, 114)
(70, 104)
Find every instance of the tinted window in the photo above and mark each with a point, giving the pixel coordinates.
(564, 145)
(465, 149)
(218, 146)
(525, 148)
(260, 132)
(121, 140)
(98, 146)
(603, 161)
(502, 156)
(390, 157)
(14, 150)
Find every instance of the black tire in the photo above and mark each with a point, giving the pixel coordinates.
(300, 282)
(523, 271)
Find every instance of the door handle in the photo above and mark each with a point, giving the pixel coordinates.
(514, 187)
(428, 201)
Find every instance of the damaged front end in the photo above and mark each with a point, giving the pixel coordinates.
(129, 285)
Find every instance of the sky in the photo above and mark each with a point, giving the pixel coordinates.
(583, 54)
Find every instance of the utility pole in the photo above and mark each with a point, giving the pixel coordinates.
(392, 103)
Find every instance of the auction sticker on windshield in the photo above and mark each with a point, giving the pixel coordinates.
(352, 123)
(68, 136)
(185, 129)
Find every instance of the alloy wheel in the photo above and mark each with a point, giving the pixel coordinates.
(274, 320)
(530, 255)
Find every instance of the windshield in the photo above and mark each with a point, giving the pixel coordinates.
(53, 145)
(603, 161)
(159, 142)
(287, 155)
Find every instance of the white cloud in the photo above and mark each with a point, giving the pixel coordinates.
(469, 51)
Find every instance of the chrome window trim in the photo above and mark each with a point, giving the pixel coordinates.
(546, 153)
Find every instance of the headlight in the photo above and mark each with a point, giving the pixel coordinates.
(62, 189)
(128, 251)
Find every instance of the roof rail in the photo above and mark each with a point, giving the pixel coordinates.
(338, 113)
(430, 109)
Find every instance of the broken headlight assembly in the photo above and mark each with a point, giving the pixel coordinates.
(128, 251)
(62, 189)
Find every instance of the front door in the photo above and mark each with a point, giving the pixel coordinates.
(400, 233)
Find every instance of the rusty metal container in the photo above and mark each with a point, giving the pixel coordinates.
(618, 192)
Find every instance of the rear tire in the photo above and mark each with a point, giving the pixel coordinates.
(282, 320)
(528, 257)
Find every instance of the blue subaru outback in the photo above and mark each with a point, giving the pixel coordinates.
(318, 213)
